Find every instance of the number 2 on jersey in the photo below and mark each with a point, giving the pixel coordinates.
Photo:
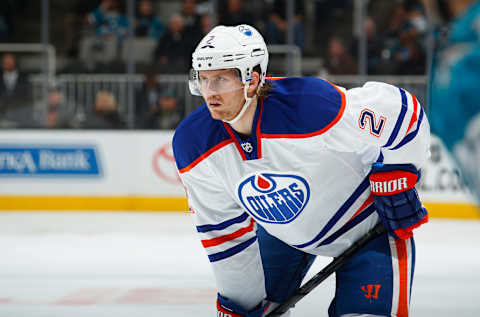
(376, 127)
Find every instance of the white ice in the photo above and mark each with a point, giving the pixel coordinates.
(55, 264)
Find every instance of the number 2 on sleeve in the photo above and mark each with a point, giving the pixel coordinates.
(376, 127)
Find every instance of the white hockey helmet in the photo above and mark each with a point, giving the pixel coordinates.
(225, 47)
(238, 47)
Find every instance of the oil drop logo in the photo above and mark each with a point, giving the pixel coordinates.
(274, 197)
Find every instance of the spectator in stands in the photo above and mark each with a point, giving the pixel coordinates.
(397, 22)
(147, 24)
(192, 21)
(146, 98)
(206, 24)
(167, 114)
(12, 80)
(402, 51)
(374, 46)
(175, 47)
(58, 116)
(191, 18)
(277, 24)
(417, 18)
(109, 20)
(339, 62)
(105, 114)
(157, 108)
(234, 13)
(409, 55)
(15, 93)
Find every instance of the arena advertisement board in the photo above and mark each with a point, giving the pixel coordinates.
(135, 171)
(441, 180)
(44, 161)
(94, 170)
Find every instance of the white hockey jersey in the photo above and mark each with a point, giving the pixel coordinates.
(302, 175)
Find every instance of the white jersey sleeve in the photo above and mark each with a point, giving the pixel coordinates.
(228, 235)
(387, 118)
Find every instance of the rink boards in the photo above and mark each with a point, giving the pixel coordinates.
(135, 171)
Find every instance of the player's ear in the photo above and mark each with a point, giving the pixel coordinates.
(253, 84)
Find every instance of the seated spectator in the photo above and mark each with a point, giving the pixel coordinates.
(339, 62)
(408, 54)
(206, 25)
(146, 98)
(147, 24)
(12, 80)
(15, 93)
(397, 22)
(175, 47)
(374, 46)
(417, 19)
(109, 20)
(402, 52)
(168, 113)
(234, 13)
(191, 18)
(277, 24)
(58, 116)
(157, 108)
(105, 114)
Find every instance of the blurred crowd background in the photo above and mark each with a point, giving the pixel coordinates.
(123, 64)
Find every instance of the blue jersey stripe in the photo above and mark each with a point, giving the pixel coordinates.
(401, 116)
(364, 185)
(343, 209)
(411, 135)
(223, 225)
(349, 225)
(232, 251)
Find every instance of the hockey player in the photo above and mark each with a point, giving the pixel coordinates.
(279, 171)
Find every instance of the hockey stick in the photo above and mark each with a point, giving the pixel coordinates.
(375, 232)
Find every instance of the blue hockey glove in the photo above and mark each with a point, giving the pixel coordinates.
(227, 308)
(396, 199)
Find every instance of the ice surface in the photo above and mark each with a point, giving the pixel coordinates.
(151, 264)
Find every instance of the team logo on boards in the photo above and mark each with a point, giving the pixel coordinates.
(163, 164)
(274, 197)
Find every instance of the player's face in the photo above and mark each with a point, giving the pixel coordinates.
(222, 91)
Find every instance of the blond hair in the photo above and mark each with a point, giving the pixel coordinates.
(267, 86)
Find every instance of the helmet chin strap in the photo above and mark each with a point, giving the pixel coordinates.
(247, 103)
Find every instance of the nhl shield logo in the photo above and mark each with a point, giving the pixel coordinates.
(274, 197)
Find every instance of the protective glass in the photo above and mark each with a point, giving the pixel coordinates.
(209, 82)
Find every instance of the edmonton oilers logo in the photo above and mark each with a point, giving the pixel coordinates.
(274, 197)
(245, 30)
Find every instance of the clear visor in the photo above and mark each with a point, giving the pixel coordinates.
(210, 82)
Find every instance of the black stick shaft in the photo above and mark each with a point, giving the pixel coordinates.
(306, 288)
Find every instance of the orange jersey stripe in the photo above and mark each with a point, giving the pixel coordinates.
(403, 271)
(414, 115)
(362, 207)
(204, 155)
(235, 141)
(228, 237)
